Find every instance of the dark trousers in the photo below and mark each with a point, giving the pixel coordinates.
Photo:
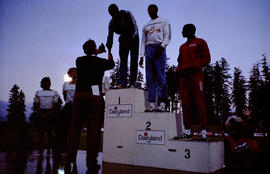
(127, 45)
(87, 109)
(192, 95)
(63, 121)
(45, 124)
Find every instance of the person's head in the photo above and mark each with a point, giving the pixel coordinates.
(113, 10)
(89, 47)
(235, 127)
(45, 83)
(189, 30)
(152, 11)
(72, 72)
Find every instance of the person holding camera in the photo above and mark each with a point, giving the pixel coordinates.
(87, 105)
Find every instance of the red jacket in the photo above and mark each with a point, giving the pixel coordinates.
(193, 54)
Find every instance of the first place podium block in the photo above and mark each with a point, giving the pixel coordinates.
(134, 137)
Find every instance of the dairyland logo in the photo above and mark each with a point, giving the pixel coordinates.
(150, 137)
(119, 110)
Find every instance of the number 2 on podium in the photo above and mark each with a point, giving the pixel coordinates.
(148, 124)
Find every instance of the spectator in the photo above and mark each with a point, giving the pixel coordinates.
(87, 105)
(46, 103)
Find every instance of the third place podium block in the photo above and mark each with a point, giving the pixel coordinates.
(135, 137)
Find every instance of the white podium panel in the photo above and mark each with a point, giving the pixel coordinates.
(146, 139)
(126, 96)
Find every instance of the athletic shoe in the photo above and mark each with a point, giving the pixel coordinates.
(151, 107)
(161, 107)
(204, 134)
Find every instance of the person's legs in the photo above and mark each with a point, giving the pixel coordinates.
(123, 53)
(150, 73)
(42, 124)
(41, 141)
(49, 130)
(199, 100)
(134, 53)
(67, 117)
(160, 67)
(186, 100)
(93, 132)
(75, 129)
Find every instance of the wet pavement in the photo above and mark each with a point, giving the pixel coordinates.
(33, 163)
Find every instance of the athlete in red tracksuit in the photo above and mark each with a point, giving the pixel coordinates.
(193, 57)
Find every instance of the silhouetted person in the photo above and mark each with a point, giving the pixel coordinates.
(46, 103)
(241, 151)
(193, 56)
(156, 36)
(87, 105)
(64, 119)
(124, 24)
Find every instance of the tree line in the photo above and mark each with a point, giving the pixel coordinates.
(225, 94)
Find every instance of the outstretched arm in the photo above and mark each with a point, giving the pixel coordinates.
(109, 42)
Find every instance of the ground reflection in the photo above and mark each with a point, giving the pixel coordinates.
(33, 163)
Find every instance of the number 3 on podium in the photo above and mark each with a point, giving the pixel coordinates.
(187, 156)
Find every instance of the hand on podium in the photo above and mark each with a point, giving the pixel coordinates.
(110, 56)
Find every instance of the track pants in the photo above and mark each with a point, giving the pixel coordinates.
(192, 95)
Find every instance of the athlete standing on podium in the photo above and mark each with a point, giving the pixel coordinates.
(156, 36)
(193, 56)
(124, 24)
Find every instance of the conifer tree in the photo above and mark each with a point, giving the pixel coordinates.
(254, 103)
(265, 92)
(239, 92)
(209, 94)
(222, 102)
(16, 107)
(173, 86)
(265, 69)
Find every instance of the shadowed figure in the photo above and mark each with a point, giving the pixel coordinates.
(87, 105)
(46, 102)
(241, 150)
(124, 24)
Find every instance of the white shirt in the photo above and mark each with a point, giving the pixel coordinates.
(69, 89)
(46, 98)
(156, 31)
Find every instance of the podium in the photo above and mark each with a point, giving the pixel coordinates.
(135, 137)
